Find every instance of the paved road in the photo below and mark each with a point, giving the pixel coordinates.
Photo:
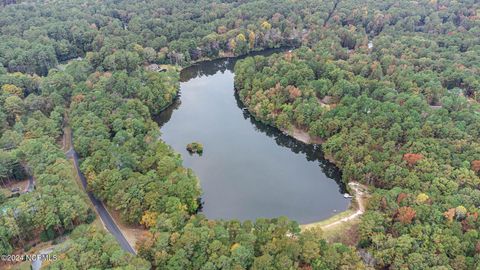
(100, 207)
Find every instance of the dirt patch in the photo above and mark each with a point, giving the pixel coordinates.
(133, 233)
(360, 194)
(303, 136)
(224, 54)
(35, 245)
(20, 185)
(322, 103)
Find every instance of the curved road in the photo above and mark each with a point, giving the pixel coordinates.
(99, 206)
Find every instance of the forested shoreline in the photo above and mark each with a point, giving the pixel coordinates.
(392, 87)
(394, 116)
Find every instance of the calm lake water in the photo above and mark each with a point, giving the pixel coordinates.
(248, 170)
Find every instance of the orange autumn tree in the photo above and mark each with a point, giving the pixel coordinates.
(78, 98)
(402, 196)
(449, 214)
(476, 166)
(293, 92)
(405, 214)
(412, 158)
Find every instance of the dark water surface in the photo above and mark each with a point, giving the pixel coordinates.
(248, 170)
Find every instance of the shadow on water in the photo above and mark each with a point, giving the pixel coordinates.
(165, 116)
(207, 68)
(313, 152)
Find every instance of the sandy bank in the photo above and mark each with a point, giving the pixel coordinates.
(303, 136)
(360, 194)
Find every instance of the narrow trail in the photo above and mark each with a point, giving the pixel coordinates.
(360, 193)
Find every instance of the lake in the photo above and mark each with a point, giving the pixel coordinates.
(248, 170)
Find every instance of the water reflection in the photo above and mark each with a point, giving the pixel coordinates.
(245, 174)
(209, 68)
(312, 152)
(166, 114)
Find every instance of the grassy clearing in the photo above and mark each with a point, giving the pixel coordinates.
(344, 232)
(170, 67)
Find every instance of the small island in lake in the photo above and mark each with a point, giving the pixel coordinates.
(195, 148)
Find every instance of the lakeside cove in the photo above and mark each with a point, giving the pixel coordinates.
(208, 110)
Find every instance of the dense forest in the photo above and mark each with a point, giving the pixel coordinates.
(398, 111)
(392, 88)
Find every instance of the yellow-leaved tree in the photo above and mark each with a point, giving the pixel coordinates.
(149, 218)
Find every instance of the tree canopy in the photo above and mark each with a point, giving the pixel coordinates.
(391, 86)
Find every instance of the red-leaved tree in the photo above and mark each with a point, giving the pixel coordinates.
(412, 158)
